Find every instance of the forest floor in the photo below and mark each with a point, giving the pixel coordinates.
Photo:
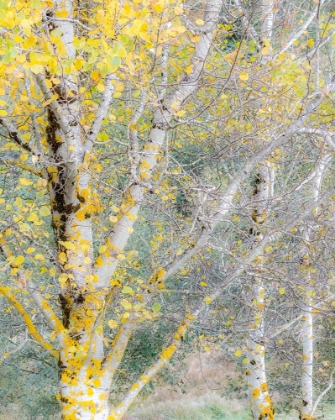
(210, 407)
(208, 389)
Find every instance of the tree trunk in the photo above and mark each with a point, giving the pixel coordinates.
(307, 324)
(260, 401)
(307, 369)
(82, 397)
(259, 398)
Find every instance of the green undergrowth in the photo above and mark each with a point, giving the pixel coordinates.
(209, 406)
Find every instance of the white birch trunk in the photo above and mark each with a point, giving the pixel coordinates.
(259, 398)
(307, 368)
(78, 404)
(307, 324)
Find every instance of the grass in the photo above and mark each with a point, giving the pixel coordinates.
(209, 406)
(208, 380)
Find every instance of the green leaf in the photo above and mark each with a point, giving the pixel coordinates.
(127, 289)
(156, 307)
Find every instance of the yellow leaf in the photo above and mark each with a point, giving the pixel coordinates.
(3, 113)
(310, 42)
(96, 382)
(244, 76)
(33, 217)
(21, 58)
(179, 251)
(68, 245)
(45, 211)
(203, 284)
(178, 10)
(282, 291)
(30, 250)
(238, 353)
(18, 261)
(175, 106)
(160, 273)
(130, 230)
(62, 257)
(37, 68)
(112, 323)
(189, 69)
(126, 304)
(102, 249)
(181, 113)
(256, 393)
(62, 13)
(199, 22)
(25, 181)
(208, 300)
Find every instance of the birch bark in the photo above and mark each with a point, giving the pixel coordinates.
(308, 322)
(259, 398)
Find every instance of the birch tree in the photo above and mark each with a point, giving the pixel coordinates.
(92, 95)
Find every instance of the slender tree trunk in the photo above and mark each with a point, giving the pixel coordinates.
(307, 368)
(307, 324)
(260, 401)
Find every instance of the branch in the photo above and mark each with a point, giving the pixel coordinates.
(134, 155)
(119, 345)
(5, 356)
(102, 110)
(45, 309)
(31, 327)
(247, 24)
(285, 327)
(133, 196)
(75, 21)
(24, 167)
(166, 354)
(320, 44)
(15, 135)
(323, 393)
(267, 17)
(327, 135)
(300, 32)
(226, 200)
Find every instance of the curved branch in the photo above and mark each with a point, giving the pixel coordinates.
(31, 327)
